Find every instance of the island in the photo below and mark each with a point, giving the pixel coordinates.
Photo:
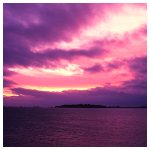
(81, 106)
(95, 106)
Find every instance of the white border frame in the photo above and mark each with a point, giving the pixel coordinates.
(74, 1)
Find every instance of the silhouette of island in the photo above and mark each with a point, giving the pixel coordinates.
(70, 106)
(81, 106)
(94, 106)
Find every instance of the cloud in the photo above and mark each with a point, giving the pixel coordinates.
(45, 22)
(8, 83)
(136, 84)
(42, 23)
(53, 29)
(139, 65)
(106, 96)
(29, 25)
(7, 72)
(24, 57)
(115, 64)
(118, 44)
(94, 69)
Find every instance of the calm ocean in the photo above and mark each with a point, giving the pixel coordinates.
(75, 127)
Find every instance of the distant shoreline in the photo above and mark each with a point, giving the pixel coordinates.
(74, 106)
(94, 106)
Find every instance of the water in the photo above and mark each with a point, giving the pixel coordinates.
(75, 127)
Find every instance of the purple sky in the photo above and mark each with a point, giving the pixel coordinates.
(75, 53)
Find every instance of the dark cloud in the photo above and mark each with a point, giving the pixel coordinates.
(42, 23)
(8, 83)
(45, 22)
(139, 65)
(34, 93)
(106, 96)
(23, 56)
(94, 69)
(7, 72)
(108, 66)
(28, 25)
(115, 65)
(136, 84)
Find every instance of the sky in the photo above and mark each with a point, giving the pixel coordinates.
(58, 54)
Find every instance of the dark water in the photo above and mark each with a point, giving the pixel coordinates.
(108, 127)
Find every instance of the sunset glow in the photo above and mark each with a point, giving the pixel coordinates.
(75, 53)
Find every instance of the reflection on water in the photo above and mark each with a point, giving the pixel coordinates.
(72, 127)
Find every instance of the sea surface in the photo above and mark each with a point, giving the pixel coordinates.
(75, 127)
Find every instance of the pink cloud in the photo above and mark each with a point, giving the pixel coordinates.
(98, 45)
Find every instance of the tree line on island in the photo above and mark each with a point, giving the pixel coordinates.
(95, 106)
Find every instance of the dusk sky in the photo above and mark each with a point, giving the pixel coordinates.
(58, 54)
